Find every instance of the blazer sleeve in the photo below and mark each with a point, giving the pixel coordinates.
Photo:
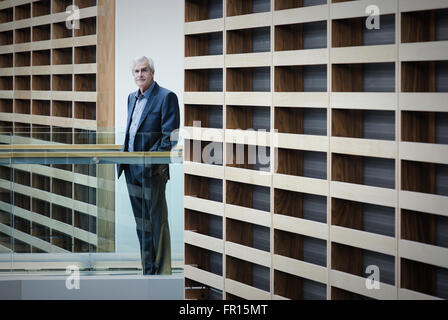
(170, 119)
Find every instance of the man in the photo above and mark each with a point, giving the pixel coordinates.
(153, 114)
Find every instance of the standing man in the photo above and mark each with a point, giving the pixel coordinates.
(153, 114)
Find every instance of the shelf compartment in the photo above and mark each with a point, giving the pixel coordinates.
(424, 228)
(22, 35)
(203, 259)
(341, 294)
(204, 44)
(6, 15)
(424, 76)
(85, 82)
(22, 59)
(353, 32)
(203, 223)
(62, 82)
(424, 278)
(22, 177)
(60, 31)
(6, 60)
(424, 177)
(248, 273)
(362, 216)
(41, 58)
(42, 32)
(85, 110)
(366, 124)
(251, 157)
(257, 79)
(62, 56)
(6, 105)
(298, 288)
(41, 108)
(61, 135)
(22, 225)
(85, 222)
(208, 116)
(87, 27)
(291, 4)
(22, 83)
(423, 26)
(66, 167)
(85, 54)
(249, 40)
(22, 129)
(81, 4)
(85, 136)
(424, 127)
(240, 7)
(22, 12)
(204, 152)
(248, 234)
(21, 201)
(6, 83)
(6, 127)
(41, 232)
(20, 246)
(85, 194)
(22, 106)
(210, 80)
(60, 5)
(41, 82)
(364, 77)
(61, 240)
(243, 117)
(6, 38)
(41, 182)
(41, 8)
(354, 261)
(248, 195)
(369, 171)
(309, 78)
(203, 188)
(62, 109)
(41, 132)
(199, 291)
(310, 164)
(61, 187)
(196, 10)
(309, 121)
(86, 169)
(82, 246)
(301, 36)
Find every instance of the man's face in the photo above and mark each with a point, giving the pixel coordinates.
(143, 76)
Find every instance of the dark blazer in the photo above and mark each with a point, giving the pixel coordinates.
(159, 119)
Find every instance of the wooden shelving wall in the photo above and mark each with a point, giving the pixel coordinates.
(353, 135)
(57, 86)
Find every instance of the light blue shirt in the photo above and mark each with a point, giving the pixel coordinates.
(140, 104)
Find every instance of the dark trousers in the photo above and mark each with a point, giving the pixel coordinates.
(151, 216)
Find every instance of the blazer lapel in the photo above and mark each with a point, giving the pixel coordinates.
(131, 107)
(148, 105)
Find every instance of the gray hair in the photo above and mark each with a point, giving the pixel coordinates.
(143, 59)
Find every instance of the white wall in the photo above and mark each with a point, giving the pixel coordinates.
(154, 29)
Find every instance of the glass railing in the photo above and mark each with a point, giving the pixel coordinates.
(62, 204)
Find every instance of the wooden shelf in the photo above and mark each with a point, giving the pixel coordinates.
(203, 223)
(247, 234)
(247, 195)
(41, 232)
(22, 106)
(203, 259)
(22, 59)
(86, 169)
(85, 82)
(311, 78)
(85, 136)
(22, 35)
(240, 7)
(41, 8)
(6, 38)
(42, 32)
(341, 294)
(62, 56)
(85, 110)
(6, 105)
(423, 177)
(247, 273)
(61, 240)
(309, 164)
(203, 44)
(363, 77)
(20, 246)
(6, 60)
(6, 127)
(41, 182)
(62, 109)
(310, 121)
(249, 40)
(41, 82)
(255, 79)
(60, 5)
(22, 12)
(240, 117)
(203, 187)
(62, 188)
(418, 126)
(41, 58)
(367, 124)
(82, 246)
(62, 82)
(41, 132)
(300, 205)
(204, 80)
(21, 201)
(196, 10)
(85, 222)
(195, 151)
(84, 193)
(6, 83)
(420, 277)
(424, 76)
(86, 54)
(423, 26)
(22, 177)
(6, 15)
(41, 107)
(81, 4)
(22, 83)
(369, 171)
(61, 31)
(291, 4)
(87, 27)
(208, 116)
(301, 36)
(22, 225)
(251, 157)
(61, 135)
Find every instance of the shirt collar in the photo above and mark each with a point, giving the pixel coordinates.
(146, 94)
